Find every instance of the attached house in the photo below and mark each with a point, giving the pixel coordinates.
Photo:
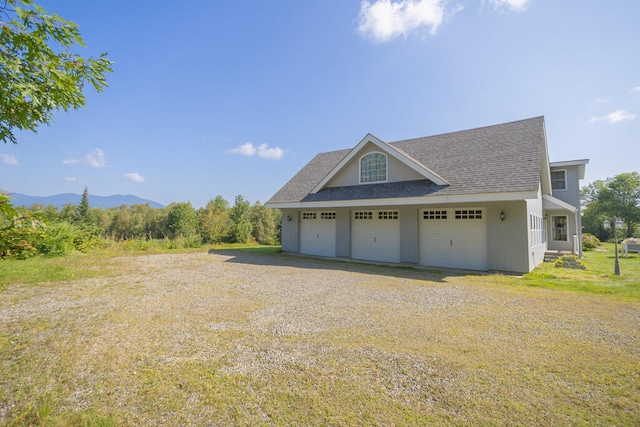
(479, 199)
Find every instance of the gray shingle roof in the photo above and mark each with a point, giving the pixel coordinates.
(492, 159)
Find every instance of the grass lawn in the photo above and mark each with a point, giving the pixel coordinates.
(247, 336)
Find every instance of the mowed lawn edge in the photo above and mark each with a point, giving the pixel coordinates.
(242, 337)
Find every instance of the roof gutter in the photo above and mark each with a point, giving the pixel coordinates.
(409, 201)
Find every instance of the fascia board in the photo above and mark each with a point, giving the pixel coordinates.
(569, 163)
(545, 169)
(410, 201)
(550, 202)
(387, 149)
(582, 163)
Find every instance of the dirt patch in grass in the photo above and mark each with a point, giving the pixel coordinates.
(252, 338)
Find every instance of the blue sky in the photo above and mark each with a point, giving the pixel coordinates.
(235, 97)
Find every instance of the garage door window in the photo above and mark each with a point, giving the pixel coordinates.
(327, 215)
(308, 215)
(469, 214)
(388, 215)
(434, 215)
(363, 215)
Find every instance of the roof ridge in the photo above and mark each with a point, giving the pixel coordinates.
(467, 130)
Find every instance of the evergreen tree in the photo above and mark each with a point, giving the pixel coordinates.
(240, 226)
(83, 207)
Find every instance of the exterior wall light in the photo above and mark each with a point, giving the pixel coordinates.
(502, 216)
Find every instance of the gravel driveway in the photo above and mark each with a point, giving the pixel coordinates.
(432, 344)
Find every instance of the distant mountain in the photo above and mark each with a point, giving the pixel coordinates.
(59, 200)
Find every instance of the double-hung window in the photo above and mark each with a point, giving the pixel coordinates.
(558, 180)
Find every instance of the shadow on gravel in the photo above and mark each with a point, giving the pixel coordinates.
(408, 271)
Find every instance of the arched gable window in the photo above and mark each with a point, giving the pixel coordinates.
(373, 168)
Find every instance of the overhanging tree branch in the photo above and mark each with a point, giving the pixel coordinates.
(39, 72)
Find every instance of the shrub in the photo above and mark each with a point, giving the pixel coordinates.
(19, 236)
(570, 261)
(62, 238)
(183, 242)
(589, 242)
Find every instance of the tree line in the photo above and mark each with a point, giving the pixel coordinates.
(39, 229)
(613, 197)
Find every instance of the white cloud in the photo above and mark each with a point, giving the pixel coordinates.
(635, 89)
(511, 5)
(134, 176)
(8, 159)
(614, 117)
(246, 149)
(96, 159)
(70, 161)
(384, 20)
(262, 150)
(269, 153)
(71, 179)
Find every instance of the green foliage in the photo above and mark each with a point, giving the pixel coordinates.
(240, 225)
(39, 69)
(45, 230)
(83, 207)
(570, 261)
(7, 210)
(58, 240)
(589, 242)
(264, 223)
(214, 222)
(182, 220)
(19, 231)
(618, 196)
(135, 222)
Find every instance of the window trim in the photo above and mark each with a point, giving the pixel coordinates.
(564, 171)
(386, 168)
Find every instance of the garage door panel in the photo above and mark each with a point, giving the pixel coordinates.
(318, 234)
(453, 238)
(375, 236)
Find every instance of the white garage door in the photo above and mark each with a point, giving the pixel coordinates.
(318, 233)
(375, 236)
(454, 238)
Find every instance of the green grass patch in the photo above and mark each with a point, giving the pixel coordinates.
(597, 278)
(44, 269)
(106, 261)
